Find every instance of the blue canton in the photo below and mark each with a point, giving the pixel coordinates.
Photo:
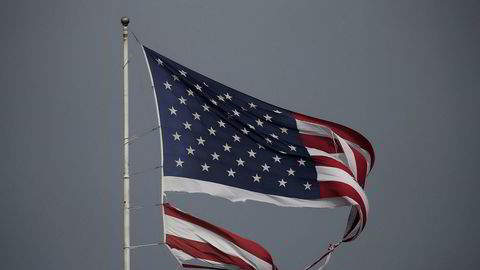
(214, 133)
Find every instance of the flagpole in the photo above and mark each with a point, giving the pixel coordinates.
(126, 176)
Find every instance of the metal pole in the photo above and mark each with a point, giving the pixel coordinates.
(126, 176)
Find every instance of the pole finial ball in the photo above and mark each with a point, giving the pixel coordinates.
(125, 20)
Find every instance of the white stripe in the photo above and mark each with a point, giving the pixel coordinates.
(182, 256)
(312, 128)
(317, 152)
(182, 228)
(183, 184)
(352, 164)
(327, 170)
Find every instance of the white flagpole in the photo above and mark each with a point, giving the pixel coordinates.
(126, 176)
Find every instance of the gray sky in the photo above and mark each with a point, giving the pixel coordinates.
(403, 73)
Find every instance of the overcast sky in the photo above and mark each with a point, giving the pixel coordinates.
(403, 73)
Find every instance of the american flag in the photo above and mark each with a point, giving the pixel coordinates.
(190, 238)
(219, 141)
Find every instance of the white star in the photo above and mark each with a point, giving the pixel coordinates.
(214, 101)
(252, 105)
(276, 158)
(196, 116)
(231, 172)
(190, 151)
(307, 186)
(245, 131)
(268, 140)
(175, 77)
(226, 147)
(190, 92)
(236, 138)
(159, 61)
(268, 117)
(179, 162)
(240, 162)
(212, 131)
(198, 87)
(183, 73)
(256, 178)
(291, 172)
(274, 136)
(187, 125)
(251, 127)
(221, 98)
(243, 109)
(205, 167)
(282, 152)
(265, 167)
(292, 148)
(236, 113)
(215, 156)
(284, 130)
(251, 153)
(167, 85)
(282, 183)
(182, 100)
(206, 108)
(201, 141)
(204, 83)
(221, 123)
(172, 110)
(259, 122)
(176, 136)
(301, 162)
(277, 111)
(227, 96)
(260, 146)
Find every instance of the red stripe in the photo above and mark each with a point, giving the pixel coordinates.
(344, 132)
(329, 189)
(321, 142)
(205, 251)
(246, 244)
(330, 162)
